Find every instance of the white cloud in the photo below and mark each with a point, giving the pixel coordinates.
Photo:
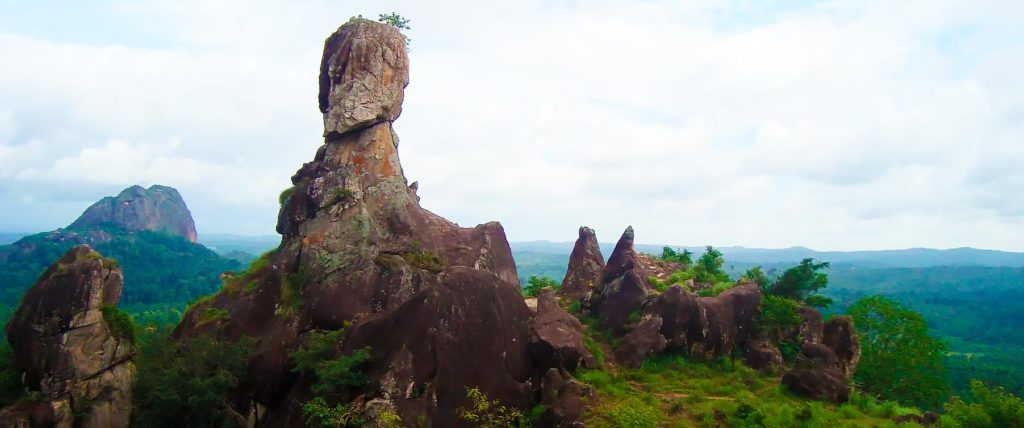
(834, 125)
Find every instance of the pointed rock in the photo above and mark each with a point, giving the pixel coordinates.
(840, 336)
(586, 267)
(68, 352)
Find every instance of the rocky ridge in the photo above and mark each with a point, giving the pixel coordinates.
(158, 209)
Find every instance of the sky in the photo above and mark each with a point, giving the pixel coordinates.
(835, 125)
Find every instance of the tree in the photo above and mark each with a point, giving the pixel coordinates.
(800, 281)
(757, 276)
(987, 407)
(685, 257)
(397, 21)
(899, 360)
(536, 284)
(708, 268)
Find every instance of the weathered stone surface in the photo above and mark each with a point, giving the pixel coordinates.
(557, 340)
(818, 374)
(363, 75)
(642, 341)
(586, 267)
(624, 287)
(841, 337)
(765, 356)
(65, 348)
(707, 327)
(563, 398)
(440, 305)
(158, 209)
(810, 329)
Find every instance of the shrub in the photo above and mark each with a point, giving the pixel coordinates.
(987, 407)
(669, 255)
(777, 316)
(634, 414)
(333, 375)
(535, 284)
(120, 323)
(486, 413)
(575, 307)
(285, 194)
(10, 377)
(318, 413)
(800, 281)
(188, 384)
(423, 259)
(708, 268)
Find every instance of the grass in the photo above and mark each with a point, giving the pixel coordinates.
(674, 391)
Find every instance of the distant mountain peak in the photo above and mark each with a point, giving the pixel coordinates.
(158, 208)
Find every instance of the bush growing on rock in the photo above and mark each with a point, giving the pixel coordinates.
(799, 282)
(536, 284)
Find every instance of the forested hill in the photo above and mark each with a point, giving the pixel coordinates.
(907, 258)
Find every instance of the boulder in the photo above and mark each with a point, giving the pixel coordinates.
(157, 209)
(586, 267)
(707, 327)
(840, 336)
(818, 374)
(642, 341)
(363, 75)
(563, 398)
(557, 340)
(810, 328)
(67, 352)
(763, 355)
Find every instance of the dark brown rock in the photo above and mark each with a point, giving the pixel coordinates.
(811, 325)
(841, 337)
(586, 267)
(822, 383)
(724, 322)
(818, 374)
(624, 287)
(158, 209)
(763, 355)
(363, 75)
(557, 340)
(64, 347)
(563, 397)
(642, 341)
(926, 420)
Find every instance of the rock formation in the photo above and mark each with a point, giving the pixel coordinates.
(158, 209)
(78, 363)
(558, 337)
(823, 369)
(438, 305)
(586, 267)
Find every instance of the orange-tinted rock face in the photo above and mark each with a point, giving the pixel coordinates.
(439, 304)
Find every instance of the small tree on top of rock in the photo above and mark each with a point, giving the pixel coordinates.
(800, 281)
(684, 257)
(397, 21)
(708, 268)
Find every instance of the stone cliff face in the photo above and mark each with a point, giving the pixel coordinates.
(438, 305)
(66, 350)
(586, 265)
(158, 208)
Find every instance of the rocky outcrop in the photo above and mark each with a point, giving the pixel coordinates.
(841, 337)
(438, 305)
(823, 370)
(158, 209)
(818, 374)
(642, 341)
(624, 287)
(563, 400)
(78, 363)
(557, 340)
(763, 355)
(586, 267)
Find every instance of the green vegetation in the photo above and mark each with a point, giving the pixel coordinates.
(120, 323)
(987, 407)
(334, 375)
(285, 195)
(799, 282)
(708, 268)
(421, 258)
(10, 377)
(671, 390)
(340, 194)
(778, 315)
(188, 384)
(685, 257)
(395, 20)
(536, 284)
(487, 413)
(899, 360)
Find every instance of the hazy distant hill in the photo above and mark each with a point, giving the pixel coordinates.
(913, 257)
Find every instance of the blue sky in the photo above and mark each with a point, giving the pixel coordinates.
(833, 125)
